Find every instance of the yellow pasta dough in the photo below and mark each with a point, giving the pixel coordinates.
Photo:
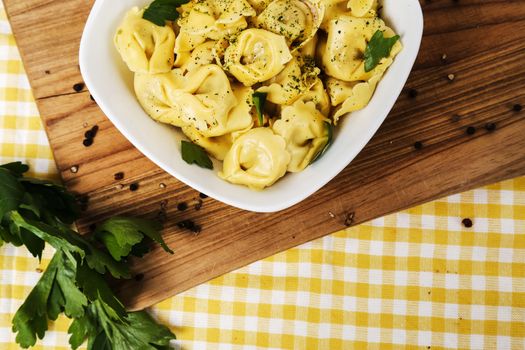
(202, 98)
(350, 96)
(256, 55)
(362, 8)
(296, 20)
(258, 84)
(145, 47)
(342, 52)
(305, 131)
(257, 159)
(295, 79)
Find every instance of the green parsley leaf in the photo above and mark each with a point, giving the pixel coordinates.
(259, 100)
(55, 237)
(137, 331)
(102, 262)
(30, 321)
(378, 48)
(56, 201)
(195, 154)
(96, 289)
(16, 168)
(11, 192)
(160, 11)
(35, 212)
(330, 135)
(120, 235)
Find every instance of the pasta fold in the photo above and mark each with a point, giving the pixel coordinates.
(257, 159)
(305, 131)
(203, 98)
(256, 55)
(144, 46)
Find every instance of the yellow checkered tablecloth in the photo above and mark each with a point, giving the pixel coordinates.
(416, 279)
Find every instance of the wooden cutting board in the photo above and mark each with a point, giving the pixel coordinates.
(470, 73)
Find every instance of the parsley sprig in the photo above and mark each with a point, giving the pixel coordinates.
(34, 212)
(160, 11)
(259, 100)
(195, 154)
(378, 48)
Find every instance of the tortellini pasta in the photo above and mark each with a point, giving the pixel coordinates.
(296, 20)
(305, 131)
(298, 76)
(350, 96)
(257, 159)
(257, 84)
(145, 47)
(342, 53)
(256, 55)
(202, 98)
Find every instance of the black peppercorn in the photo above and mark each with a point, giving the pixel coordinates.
(412, 93)
(134, 186)
(78, 87)
(467, 222)
(490, 127)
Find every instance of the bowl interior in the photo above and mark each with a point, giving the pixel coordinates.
(111, 84)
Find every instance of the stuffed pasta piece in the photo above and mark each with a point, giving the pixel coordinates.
(144, 46)
(306, 132)
(257, 159)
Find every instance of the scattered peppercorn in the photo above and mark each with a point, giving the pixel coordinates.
(471, 130)
(87, 142)
(119, 176)
(47, 72)
(418, 145)
(412, 93)
(517, 107)
(189, 225)
(139, 277)
(133, 187)
(490, 127)
(74, 169)
(455, 118)
(182, 206)
(198, 205)
(467, 222)
(203, 196)
(349, 219)
(78, 87)
(90, 134)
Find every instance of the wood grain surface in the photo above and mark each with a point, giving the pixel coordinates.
(484, 44)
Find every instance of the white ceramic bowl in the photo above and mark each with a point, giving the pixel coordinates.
(111, 84)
